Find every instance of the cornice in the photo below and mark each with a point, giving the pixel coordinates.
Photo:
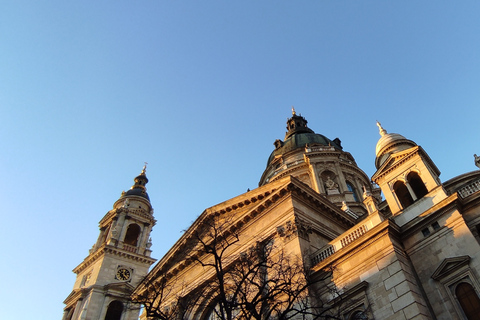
(287, 172)
(107, 249)
(322, 153)
(137, 213)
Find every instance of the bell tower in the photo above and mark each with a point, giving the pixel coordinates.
(407, 176)
(118, 260)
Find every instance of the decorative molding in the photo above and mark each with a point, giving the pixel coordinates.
(449, 265)
(294, 228)
(107, 249)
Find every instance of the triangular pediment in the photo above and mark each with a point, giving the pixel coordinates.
(395, 158)
(244, 208)
(449, 265)
(73, 295)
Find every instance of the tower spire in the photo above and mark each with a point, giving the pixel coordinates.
(380, 128)
(139, 187)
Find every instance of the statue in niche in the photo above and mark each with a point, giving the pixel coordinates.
(331, 186)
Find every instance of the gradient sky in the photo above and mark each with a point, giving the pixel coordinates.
(90, 90)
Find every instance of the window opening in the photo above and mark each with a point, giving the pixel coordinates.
(114, 311)
(402, 193)
(435, 225)
(426, 232)
(469, 300)
(131, 237)
(417, 185)
(351, 188)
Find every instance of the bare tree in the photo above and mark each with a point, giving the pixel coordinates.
(162, 298)
(259, 282)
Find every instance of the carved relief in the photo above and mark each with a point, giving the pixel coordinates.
(294, 228)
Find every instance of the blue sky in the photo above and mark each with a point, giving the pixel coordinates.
(90, 90)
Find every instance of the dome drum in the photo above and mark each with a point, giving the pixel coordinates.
(313, 159)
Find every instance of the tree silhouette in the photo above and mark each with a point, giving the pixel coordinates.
(259, 282)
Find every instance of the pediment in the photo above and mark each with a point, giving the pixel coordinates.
(450, 265)
(397, 157)
(244, 208)
(394, 160)
(73, 295)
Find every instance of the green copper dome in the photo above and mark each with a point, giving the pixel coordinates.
(298, 136)
(301, 140)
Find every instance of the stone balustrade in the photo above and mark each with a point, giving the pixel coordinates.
(331, 248)
(469, 189)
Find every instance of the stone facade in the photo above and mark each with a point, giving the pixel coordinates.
(414, 255)
(117, 262)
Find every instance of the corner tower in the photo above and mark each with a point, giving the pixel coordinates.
(117, 262)
(320, 163)
(407, 176)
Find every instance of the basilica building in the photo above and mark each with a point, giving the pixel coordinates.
(314, 240)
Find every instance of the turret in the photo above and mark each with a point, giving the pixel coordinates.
(406, 175)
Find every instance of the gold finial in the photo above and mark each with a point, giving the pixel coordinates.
(144, 168)
(382, 131)
(293, 111)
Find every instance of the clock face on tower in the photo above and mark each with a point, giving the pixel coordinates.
(122, 274)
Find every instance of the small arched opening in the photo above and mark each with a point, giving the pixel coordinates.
(352, 189)
(114, 311)
(131, 237)
(358, 315)
(468, 299)
(417, 185)
(402, 193)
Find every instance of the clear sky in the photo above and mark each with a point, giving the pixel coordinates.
(90, 90)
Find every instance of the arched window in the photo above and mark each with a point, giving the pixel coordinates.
(402, 193)
(114, 311)
(417, 185)
(131, 237)
(469, 300)
(351, 188)
(358, 315)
